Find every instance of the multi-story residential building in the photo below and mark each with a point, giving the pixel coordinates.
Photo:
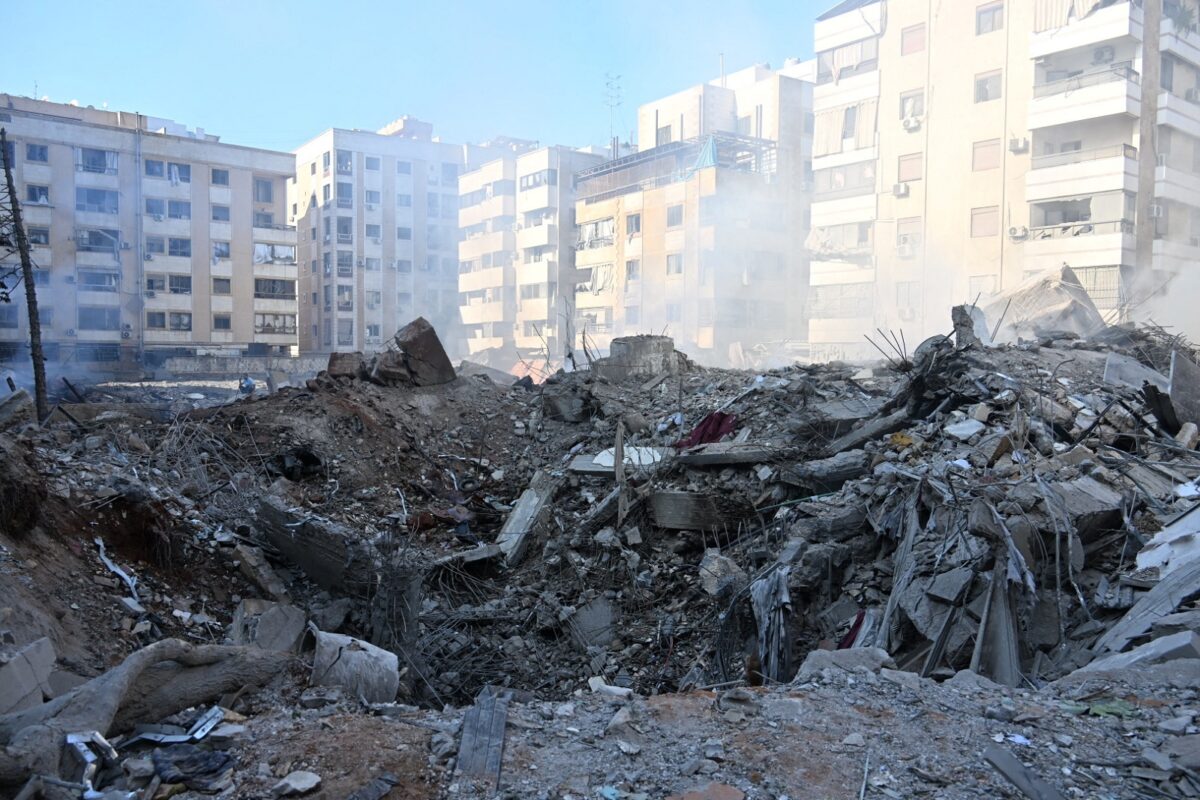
(701, 235)
(1022, 156)
(149, 239)
(517, 254)
(377, 214)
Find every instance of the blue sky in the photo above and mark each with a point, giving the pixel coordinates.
(273, 74)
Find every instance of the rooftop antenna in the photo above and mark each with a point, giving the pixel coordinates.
(612, 98)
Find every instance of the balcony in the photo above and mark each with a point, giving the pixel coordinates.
(491, 278)
(544, 271)
(544, 235)
(1181, 113)
(1111, 91)
(1102, 25)
(275, 234)
(479, 313)
(1178, 185)
(545, 196)
(535, 309)
(345, 202)
(477, 344)
(1080, 244)
(1082, 172)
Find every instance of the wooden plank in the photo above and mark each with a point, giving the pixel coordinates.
(481, 748)
(727, 453)
(1182, 583)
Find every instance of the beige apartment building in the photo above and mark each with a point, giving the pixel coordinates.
(517, 254)
(377, 214)
(701, 235)
(962, 147)
(149, 239)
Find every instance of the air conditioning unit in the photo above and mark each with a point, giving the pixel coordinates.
(157, 217)
(126, 246)
(70, 331)
(126, 334)
(362, 262)
(906, 250)
(1104, 55)
(1018, 144)
(1157, 211)
(150, 293)
(148, 257)
(907, 314)
(912, 123)
(900, 190)
(1018, 232)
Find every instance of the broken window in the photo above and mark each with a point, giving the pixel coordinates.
(156, 207)
(156, 283)
(220, 250)
(155, 168)
(179, 209)
(987, 86)
(633, 269)
(98, 240)
(912, 104)
(633, 224)
(345, 331)
(222, 322)
(39, 236)
(985, 221)
(37, 152)
(38, 195)
(221, 286)
(220, 213)
(274, 253)
(345, 264)
(345, 297)
(156, 320)
(345, 230)
(179, 173)
(345, 162)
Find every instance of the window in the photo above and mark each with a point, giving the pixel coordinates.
(674, 216)
(273, 289)
(633, 269)
(156, 320)
(154, 168)
(910, 167)
(987, 87)
(156, 283)
(373, 197)
(222, 322)
(985, 155)
(274, 253)
(1167, 73)
(908, 232)
(345, 264)
(9, 316)
(179, 284)
(404, 200)
(179, 247)
(179, 173)
(264, 219)
(345, 298)
(180, 320)
(220, 213)
(674, 312)
(45, 316)
(104, 318)
(532, 291)
(849, 122)
(156, 207)
(264, 190)
(372, 264)
(37, 194)
(849, 59)
(374, 299)
(449, 174)
(985, 221)
(37, 152)
(912, 104)
(633, 224)
(541, 178)
(222, 286)
(431, 204)
(345, 162)
(220, 250)
(156, 245)
(403, 265)
(98, 240)
(404, 299)
(345, 331)
(371, 163)
(912, 39)
(100, 201)
(179, 209)
(404, 168)
(989, 17)
(39, 236)
(374, 331)
(88, 159)
(374, 231)
(674, 263)
(220, 177)
(403, 233)
(633, 315)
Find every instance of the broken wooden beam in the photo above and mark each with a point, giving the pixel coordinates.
(481, 750)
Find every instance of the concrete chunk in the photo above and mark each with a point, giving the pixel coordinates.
(871, 659)
(424, 355)
(267, 625)
(1185, 644)
(25, 679)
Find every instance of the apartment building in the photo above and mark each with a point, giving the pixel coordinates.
(517, 254)
(960, 148)
(149, 239)
(701, 235)
(377, 214)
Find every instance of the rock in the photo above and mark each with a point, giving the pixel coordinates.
(442, 746)
(299, 782)
(424, 356)
(16, 409)
(871, 659)
(320, 696)
(619, 724)
(855, 740)
(1185, 751)
(267, 625)
(966, 679)
(567, 402)
(253, 565)
(1189, 435)
(1176, 726)
(719, 574)
(713, 749)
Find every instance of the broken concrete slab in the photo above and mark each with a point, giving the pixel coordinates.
(268, 625)
(871, 659)
(1176, 544)
(359, 668)
(1175, 623)
(25, 677)
(1185, 644)
(827, 474)
(965, 429)
(727, 453)
(346, 365)
(528, 513)
(1155, 604)
(567, 401)
(253, 565)
(685, 511)
(16, 409)
(1092, 506)
(869, 432)
(1121, 370)
(631, 356)
(1185, 388)
(719, 574)
(424, 357)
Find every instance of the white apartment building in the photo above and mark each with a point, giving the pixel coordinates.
(700, 234)
(962, 147)
(377, 214)
(517, 254)
(149, 239)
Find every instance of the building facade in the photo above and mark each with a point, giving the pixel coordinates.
(149, 239)
(1022, 156)
(517, 254)
(377, 216)
(701, 235)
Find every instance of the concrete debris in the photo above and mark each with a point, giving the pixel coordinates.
(358, 668)
(296, 783)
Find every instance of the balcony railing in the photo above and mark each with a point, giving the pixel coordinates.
(1079, 156)
(345, 202)
(278, 329)
(1121, 71)
(275, 295)
(99, 169)
(345, 238)
(1069, 229)
(273, 226)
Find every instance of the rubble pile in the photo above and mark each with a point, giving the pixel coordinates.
(396, 541)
